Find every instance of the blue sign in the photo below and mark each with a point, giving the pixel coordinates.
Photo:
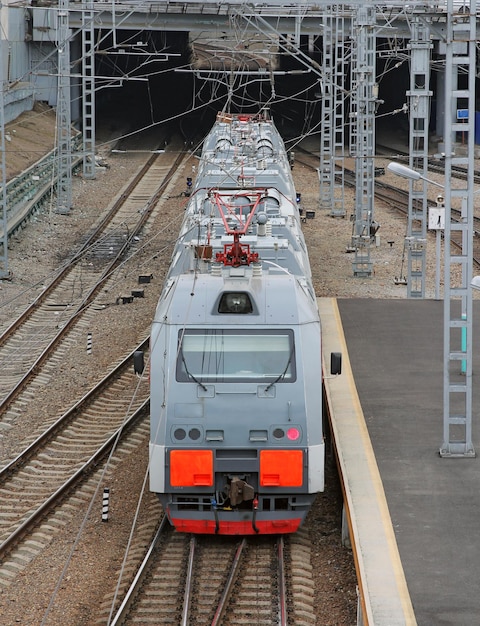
(462, 114)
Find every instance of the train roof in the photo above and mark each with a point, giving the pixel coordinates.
(278, 240)
(241, 230)
(277, 298)
(245, 150)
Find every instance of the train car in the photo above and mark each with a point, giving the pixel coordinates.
(237, 441)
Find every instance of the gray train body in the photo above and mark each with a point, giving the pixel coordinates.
(237, 443)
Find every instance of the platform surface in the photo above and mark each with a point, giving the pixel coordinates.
(395, 349)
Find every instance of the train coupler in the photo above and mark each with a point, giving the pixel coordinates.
(239, 491)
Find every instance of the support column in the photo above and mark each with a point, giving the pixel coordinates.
(332, 136)
(88, 90)
(64, 136)
(457, 335)
(363, 136)
(4, 271)
(419, 110)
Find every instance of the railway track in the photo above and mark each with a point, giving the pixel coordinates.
(59, 452)
(397, 199)
(434, 165)
(299, 580)
(202, 580)
(33, 483)
(28, 342)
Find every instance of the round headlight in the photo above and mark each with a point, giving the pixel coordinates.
(179, 434)
(194, 433)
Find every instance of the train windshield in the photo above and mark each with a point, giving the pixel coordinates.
(220, 355)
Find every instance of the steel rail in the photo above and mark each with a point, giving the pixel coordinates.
(398, 200)
(14, 392)
(8, 544)
(127, 601)
(187, 598)
(79, 253)
(222, 605)
(282, 585)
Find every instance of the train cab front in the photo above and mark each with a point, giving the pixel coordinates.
(208, 493)
(237, 443)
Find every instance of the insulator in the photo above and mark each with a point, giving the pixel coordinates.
(256, 269)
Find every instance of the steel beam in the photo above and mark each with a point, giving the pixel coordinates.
(332, 123)
(4, 271)
(419, 96)
(88, 90)
(64, 184)
(363, 137)
(460, 49)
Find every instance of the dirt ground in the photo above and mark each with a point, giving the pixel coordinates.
(29, 138)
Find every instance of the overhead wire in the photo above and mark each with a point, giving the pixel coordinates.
(241, 98)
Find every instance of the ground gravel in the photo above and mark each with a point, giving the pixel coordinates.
(58, 592)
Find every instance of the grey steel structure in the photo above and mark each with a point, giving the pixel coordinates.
(362, 142)
(64, 137)
(419, 100)
(333, 95)
(88, 89)
(333, 21)
(460, 53)
(4, 271)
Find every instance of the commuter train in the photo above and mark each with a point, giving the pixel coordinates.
(237, 441)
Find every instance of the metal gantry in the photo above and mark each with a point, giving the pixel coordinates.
(419, 96)
(460, 73)
(332, 123)
(362, 144)
(64, 133)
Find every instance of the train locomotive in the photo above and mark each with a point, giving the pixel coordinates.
(236, 434)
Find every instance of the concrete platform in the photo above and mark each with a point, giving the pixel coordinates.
(396, 355)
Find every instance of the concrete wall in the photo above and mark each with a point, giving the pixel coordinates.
(15, 61)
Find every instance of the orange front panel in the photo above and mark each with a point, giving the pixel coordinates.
(281, 468)
(191, 468)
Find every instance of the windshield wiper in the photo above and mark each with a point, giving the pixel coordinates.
(190, 375)
(283, 374)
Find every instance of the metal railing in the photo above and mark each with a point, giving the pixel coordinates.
(28, 192)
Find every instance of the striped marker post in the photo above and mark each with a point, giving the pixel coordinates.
(89, 343)
(106, 498)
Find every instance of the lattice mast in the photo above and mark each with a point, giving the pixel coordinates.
(460, 74)
(64, 138)
(363, 135)
(419, 96)
(88, 90)
(332, 122)
(4, 271)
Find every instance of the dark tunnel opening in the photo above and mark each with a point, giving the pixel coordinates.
(148, 80)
